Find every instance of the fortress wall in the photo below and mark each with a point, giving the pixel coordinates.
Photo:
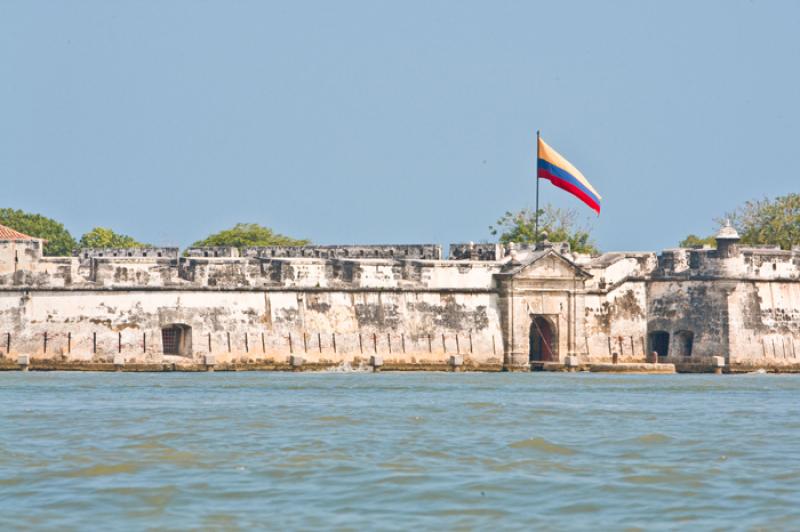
(413, 327)
(615, 322)
(765, 324)
(696, 307)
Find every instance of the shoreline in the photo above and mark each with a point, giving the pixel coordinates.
(377, 365)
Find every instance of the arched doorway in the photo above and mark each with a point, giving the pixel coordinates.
(543, 340)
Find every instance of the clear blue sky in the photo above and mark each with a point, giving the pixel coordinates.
(394, 122)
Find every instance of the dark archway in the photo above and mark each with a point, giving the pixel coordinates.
(684, 342)
(659, 342)
(543, 340)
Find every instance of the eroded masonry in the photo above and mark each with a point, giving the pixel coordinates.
(486, 307)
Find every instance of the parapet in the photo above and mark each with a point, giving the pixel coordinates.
(213, 251)
(400, 251)
(472, 251)
(150, 252)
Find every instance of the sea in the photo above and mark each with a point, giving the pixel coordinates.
(397, 451)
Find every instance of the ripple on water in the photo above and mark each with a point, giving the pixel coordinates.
(654, 438)
(542, 445)
(100, 470)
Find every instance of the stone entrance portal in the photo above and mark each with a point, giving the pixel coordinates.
(543, 340)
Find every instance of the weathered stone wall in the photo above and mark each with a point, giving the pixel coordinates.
(765, 324)
(329, 326)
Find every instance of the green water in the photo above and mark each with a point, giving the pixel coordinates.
(398, 450)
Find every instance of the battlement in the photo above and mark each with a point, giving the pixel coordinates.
(472, 251)
(401, 251)
(137, 252)
(213, 251)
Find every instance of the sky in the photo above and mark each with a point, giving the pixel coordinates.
(394, 122)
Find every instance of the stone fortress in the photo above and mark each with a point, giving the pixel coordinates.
(486, 307)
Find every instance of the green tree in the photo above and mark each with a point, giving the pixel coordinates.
(103, 237)
(248, 235)
(774, 222)
(59, 241)
(694, 241)
(761, 222)
(561, 225)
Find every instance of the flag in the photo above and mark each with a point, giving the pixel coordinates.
(551, 165)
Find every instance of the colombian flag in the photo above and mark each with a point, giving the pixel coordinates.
(561, 173)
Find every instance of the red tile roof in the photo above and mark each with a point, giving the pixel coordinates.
(6, 233)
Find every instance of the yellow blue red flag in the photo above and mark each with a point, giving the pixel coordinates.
(552, 166)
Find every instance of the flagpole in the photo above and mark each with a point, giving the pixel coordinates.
(536, 223)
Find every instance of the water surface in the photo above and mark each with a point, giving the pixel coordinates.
(398, 450)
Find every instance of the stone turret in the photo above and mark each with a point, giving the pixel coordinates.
(727, 241)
